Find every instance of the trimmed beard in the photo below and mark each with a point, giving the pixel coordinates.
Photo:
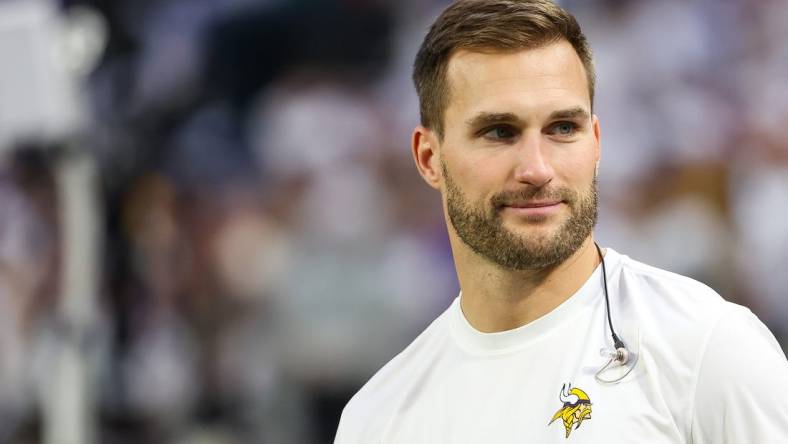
(482, 230)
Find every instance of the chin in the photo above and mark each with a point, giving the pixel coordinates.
(537, 237)
(533, 224)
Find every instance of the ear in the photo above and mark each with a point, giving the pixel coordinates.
(424, 146)
(597, 141)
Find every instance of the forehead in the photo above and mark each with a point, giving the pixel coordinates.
(526, 82)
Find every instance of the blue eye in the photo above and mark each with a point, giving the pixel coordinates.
(564, 128)
(500, 132)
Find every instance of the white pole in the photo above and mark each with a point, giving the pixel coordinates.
(45, 55)
(69, 411)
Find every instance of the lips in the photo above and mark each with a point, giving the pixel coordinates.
(533, 204)
(533, 210)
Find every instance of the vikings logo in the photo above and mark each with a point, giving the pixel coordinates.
(577, 407)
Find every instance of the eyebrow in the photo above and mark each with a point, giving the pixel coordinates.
(570, 113)
(486, 119)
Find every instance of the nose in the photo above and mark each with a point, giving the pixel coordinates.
(533, 167)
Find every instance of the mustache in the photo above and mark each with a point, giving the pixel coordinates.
(506, 198)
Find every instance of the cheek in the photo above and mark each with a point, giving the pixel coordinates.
(481, 170)
(474, 174)
(480, 180)
(575, 166)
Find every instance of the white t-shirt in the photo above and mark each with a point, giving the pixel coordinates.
(705, 371)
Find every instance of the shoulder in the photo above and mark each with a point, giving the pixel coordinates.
(368, 411)
(668, 296)
(742, 387)
(675, 314)
(668, 283)
(721, 368)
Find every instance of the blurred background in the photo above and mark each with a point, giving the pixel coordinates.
(211, 230)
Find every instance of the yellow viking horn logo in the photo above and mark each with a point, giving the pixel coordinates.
(576, 409)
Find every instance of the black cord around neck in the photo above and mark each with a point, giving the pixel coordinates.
(617, 343)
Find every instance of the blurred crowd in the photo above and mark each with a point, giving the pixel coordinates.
(267, 243)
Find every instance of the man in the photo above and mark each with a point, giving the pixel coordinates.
(508, 137)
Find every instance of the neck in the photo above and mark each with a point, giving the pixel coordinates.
(496, 299)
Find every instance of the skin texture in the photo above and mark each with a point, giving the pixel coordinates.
(483, 231)
(518, 132)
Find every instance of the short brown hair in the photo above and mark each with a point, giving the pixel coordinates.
(497, 25)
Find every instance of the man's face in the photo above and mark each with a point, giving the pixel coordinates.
(519, 155)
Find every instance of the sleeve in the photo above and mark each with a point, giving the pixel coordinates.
(742, 388)
(343, 433)
(353, 424)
